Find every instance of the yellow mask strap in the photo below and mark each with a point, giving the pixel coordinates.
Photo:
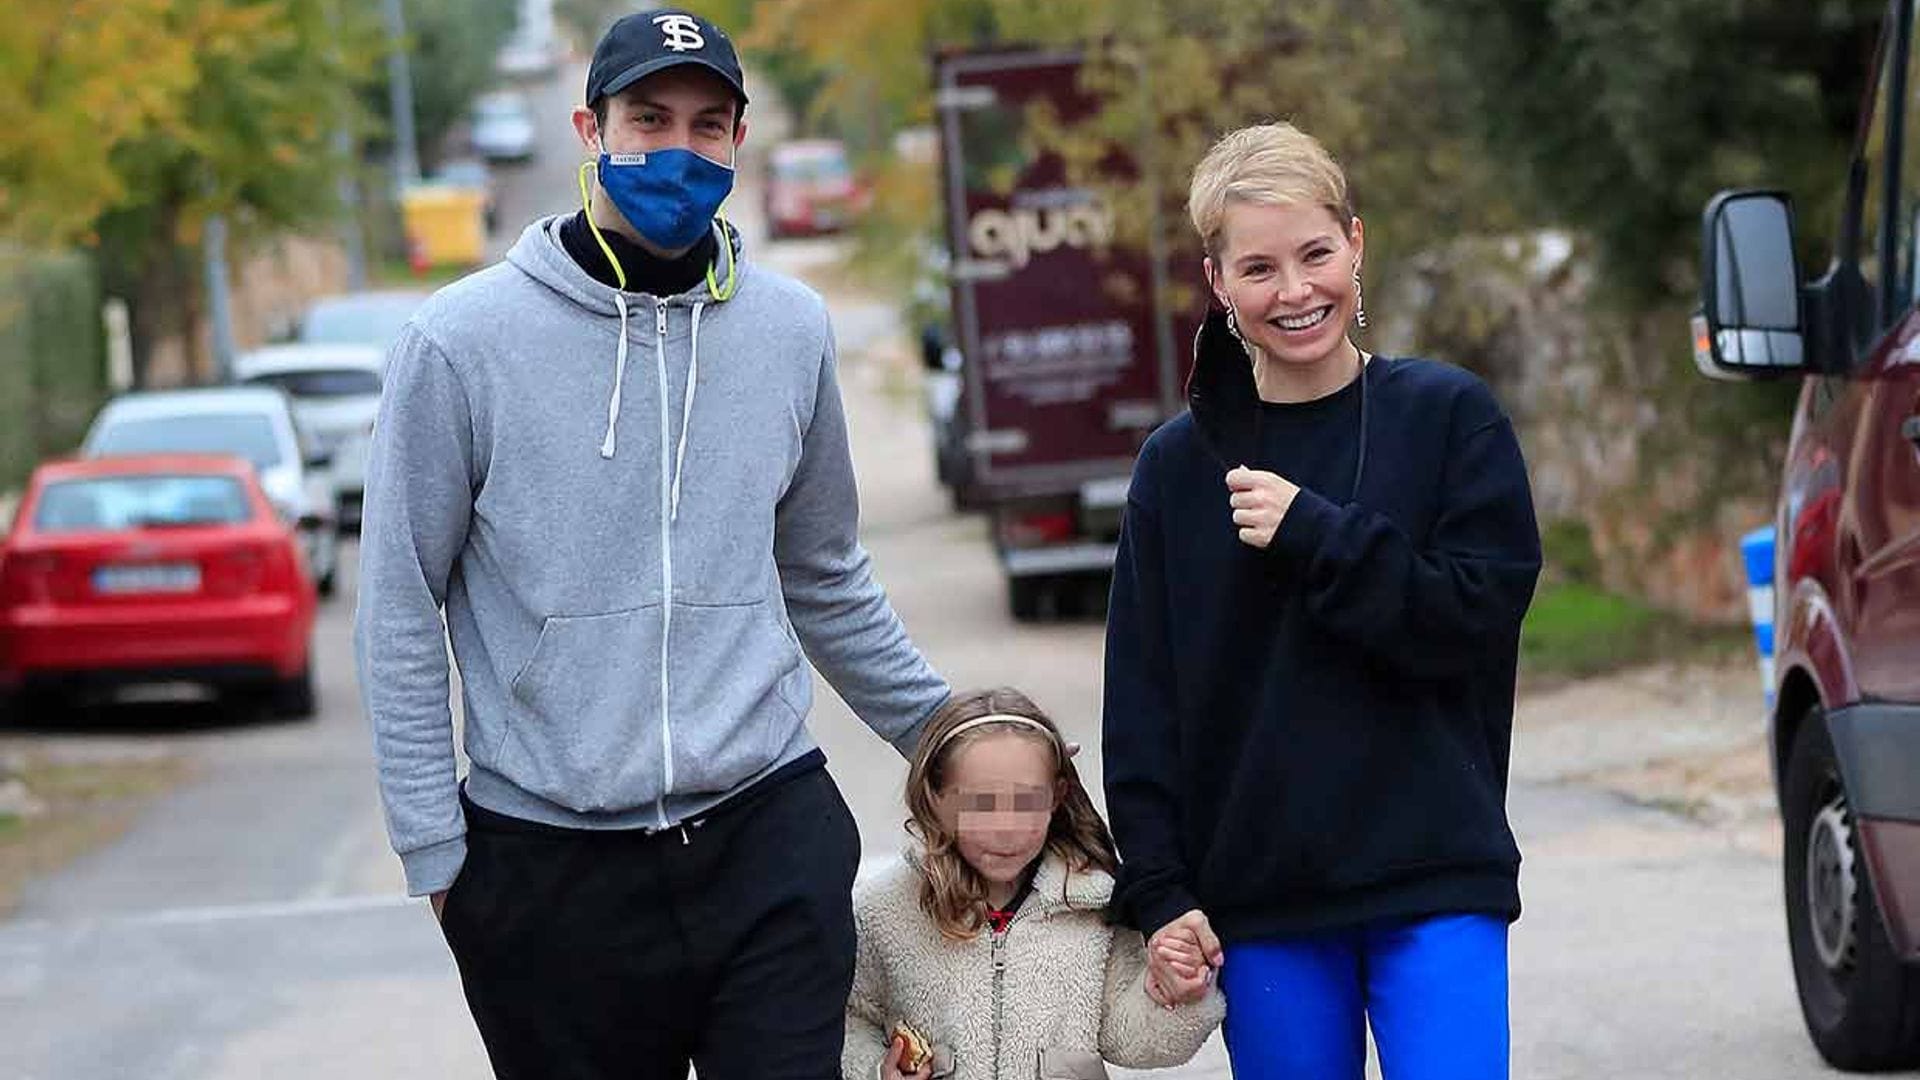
(586, 204)
(726, 249)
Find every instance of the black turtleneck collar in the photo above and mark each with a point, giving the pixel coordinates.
(646, 272)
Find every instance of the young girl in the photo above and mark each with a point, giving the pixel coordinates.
(988, 946)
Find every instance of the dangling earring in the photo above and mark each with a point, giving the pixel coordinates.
(1233, 327)
(1359, 302)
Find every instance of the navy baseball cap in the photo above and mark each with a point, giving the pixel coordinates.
(645, 42)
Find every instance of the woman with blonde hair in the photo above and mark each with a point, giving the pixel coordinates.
(1311, 655)
(986, 952)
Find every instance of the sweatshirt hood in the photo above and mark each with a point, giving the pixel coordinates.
(541, 256)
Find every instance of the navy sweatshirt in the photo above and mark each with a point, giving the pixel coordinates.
(1315, 735)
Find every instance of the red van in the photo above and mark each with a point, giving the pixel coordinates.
(1845, 724)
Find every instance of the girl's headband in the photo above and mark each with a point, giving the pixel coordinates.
(995, 718)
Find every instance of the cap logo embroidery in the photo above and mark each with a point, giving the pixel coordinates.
(680, 32)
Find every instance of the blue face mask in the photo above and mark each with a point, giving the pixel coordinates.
(669, 196)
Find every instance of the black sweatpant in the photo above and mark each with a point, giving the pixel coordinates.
(594, 955)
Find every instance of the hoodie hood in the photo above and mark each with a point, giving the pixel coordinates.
(541, 256)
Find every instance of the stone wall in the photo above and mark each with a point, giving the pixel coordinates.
(1621, 434)
(271, 285)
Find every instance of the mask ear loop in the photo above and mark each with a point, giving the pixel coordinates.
(723, 292)
(586, 204)
(720, 291)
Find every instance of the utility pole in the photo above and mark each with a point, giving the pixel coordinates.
(219, 308)
(406, 159)
(350, 234)
(349, 187)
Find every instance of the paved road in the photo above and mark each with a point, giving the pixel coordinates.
(252, 924)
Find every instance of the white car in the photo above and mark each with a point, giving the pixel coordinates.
(254, 423)
(372, 317)
(336, 394)
(502, 126)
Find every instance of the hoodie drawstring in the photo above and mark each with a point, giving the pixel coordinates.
(619, 376)
(686, 414)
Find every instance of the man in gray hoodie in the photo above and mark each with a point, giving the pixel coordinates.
(616, 466)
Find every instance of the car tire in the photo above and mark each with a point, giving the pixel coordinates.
(294, 699)
(1860, 1003)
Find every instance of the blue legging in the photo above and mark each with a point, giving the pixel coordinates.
(1434, 989)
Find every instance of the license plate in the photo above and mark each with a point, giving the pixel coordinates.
(156, 578)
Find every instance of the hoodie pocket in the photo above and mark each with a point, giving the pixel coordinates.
(587, 733)
(736, 674)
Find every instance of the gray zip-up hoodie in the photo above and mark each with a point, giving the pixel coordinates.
(635, 513)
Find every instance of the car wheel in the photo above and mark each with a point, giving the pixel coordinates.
(1861, 1004)
(294, 699)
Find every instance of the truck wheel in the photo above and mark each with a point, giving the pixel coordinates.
(1025, 596)
(1861, 1005)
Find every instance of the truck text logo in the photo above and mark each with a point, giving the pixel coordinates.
(1021, 232)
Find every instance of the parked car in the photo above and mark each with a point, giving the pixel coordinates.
(1845, 724)
(473, 174)
(811, 189)
(254, 423)
(372, 318)
(502, 127)
(336, 394)
(154, 568)
(525, 57)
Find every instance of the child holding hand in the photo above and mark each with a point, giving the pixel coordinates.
(986, 951)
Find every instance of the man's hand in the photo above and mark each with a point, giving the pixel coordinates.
(896, 1053)
(1182, 957)
(439, 902)
(1260, 500)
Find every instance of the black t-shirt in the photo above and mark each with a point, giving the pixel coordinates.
(646, 272)
(1314, 443)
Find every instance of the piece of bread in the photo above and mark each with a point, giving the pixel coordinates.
(918, 1052)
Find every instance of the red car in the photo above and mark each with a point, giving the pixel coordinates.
(1845, 722)
(162, 568)
(811, 189)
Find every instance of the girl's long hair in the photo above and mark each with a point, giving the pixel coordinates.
(952, 892)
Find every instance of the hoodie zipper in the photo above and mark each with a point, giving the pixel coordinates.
(666, 556)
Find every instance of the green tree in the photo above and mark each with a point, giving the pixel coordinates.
(253, 142)
(78, 80)
(1621, 117)
(452, 48)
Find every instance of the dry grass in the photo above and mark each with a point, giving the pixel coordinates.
(86, 805)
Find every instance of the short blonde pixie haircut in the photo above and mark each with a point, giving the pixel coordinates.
(1273, 164)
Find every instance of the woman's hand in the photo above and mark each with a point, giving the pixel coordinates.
(1181, 959)
(890, 1066)
(1260, 500)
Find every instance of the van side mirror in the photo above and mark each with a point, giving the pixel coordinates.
(1749, 321)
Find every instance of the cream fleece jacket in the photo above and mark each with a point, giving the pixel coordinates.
(1055, 995)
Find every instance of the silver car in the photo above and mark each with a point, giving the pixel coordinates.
(336, 394)
(502, 127)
